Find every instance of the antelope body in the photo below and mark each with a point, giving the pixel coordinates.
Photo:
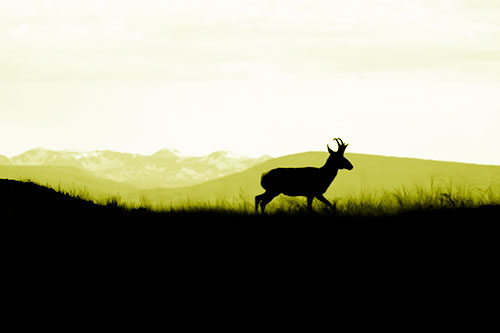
(309, 182)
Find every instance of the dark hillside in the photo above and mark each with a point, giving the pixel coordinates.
(39, 219)
(20, 200)
(27, 200)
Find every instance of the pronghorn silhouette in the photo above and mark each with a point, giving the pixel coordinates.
(308, 182)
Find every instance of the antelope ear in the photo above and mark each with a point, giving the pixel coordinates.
(329, 150)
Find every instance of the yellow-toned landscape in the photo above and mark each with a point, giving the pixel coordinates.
(238, 88)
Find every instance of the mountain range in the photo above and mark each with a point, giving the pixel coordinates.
(165, 168)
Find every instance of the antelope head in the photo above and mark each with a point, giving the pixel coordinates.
(336, 159)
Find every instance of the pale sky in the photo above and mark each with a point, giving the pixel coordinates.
(414, 78)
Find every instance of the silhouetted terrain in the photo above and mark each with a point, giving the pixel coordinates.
(29, 202)
(26, 200)
(46, 222)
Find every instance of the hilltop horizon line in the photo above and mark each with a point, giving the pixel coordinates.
(225, 153)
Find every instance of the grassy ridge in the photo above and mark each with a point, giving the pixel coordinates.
(398, 225)
(18, 198)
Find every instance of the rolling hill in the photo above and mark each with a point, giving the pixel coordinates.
(4, 160)
(371, 175)
(32, 203)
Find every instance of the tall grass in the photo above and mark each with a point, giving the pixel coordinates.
(382, 203)
(419, 198)
(374, 203)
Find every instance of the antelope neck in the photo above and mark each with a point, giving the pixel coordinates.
(329, 171)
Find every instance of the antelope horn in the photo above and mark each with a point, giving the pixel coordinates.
(340, 142)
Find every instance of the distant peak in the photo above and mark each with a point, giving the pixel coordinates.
(165, 152)
(35, 153)
(37, 150)
(226, 154)
(4, 160)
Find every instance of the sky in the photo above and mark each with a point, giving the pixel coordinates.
(411, 78)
